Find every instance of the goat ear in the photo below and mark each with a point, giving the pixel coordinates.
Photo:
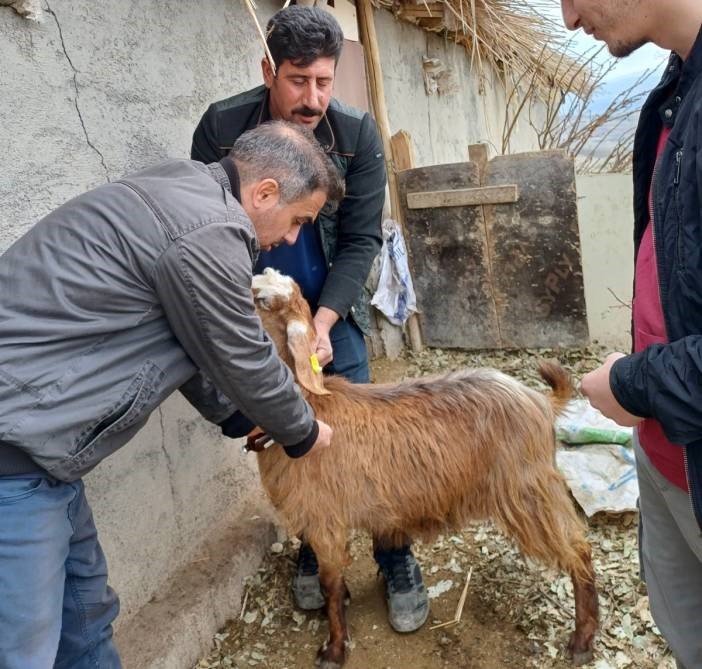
(307, 370)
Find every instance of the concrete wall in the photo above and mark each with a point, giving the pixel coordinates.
(606, 219)
(94, 92)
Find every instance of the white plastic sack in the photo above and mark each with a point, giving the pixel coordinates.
(394, 296)
(600, 468)
(602, 477)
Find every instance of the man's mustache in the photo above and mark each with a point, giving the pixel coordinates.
(307, 111)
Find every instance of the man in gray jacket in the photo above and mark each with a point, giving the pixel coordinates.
(107, 305)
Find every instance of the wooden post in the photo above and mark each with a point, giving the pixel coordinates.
(478, 154)
(366, 24)
(364, 10)
(403, 159)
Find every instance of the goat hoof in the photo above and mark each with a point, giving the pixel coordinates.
(330, 657)
(580, 658)
(580, 653)
(325, 664)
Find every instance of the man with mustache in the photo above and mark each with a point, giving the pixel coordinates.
(331, 260)
(658, 386)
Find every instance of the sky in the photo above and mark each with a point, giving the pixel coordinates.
(622, 77)
(649, 56)
(626, 71)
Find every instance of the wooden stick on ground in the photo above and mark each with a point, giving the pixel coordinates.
(243, 606)
(459, 609)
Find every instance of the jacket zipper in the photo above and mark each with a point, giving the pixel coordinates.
(678, 166)
(651, 207)
(651, 214)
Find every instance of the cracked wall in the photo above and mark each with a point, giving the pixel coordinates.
(88, 96)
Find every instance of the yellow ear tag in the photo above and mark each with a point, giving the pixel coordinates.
(315, 364)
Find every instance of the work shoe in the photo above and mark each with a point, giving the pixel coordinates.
(408, 604)
(307, 590)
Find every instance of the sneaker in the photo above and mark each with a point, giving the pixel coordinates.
(408, 603)
(307, 590)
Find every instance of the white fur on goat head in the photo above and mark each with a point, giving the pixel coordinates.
(281, 303)
(271, 284)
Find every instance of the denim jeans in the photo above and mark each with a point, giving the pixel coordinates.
(56, 609)
(350, 353)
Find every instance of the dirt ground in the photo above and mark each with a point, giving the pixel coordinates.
(516, 613)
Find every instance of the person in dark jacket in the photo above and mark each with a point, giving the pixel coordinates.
(108, 305)
(658, 387)
(331, 261)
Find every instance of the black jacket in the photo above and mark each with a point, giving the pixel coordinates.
(351, 236)
(664, 381)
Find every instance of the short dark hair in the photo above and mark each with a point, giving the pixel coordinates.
(303, 34)
(292, 156)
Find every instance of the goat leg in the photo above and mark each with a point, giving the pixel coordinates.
(586, 617)
(332, 654)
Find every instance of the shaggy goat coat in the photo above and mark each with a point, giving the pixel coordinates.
(419, 457)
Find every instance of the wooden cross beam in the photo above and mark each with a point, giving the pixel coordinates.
(463, 197)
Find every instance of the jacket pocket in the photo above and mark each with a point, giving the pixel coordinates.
(120, 422)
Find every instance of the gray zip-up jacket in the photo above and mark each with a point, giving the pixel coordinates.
(123, 295)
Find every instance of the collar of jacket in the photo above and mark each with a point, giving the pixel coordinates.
(661, 108)
(229, 167)
(682, 74)
(323, 132)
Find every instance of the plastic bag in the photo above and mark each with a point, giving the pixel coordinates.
(581, 423)
(600, 468)
(394, 296)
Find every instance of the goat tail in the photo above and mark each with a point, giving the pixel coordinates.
(561, 384)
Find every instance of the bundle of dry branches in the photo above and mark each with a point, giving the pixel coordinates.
(507, 35)
(599, 137)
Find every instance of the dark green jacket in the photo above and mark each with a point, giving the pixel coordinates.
(351, 236)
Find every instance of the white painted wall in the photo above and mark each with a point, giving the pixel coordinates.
(606, 219)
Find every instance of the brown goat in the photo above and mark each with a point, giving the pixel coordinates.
(420, 457)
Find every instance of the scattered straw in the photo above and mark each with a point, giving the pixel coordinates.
(509, 35)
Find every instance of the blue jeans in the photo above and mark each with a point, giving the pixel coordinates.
(350, 353)
(56, 609)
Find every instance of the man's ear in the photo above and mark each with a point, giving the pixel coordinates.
(265, 194)
(267, 71)
(307, 371)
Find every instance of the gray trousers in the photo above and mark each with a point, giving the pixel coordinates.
(670, 554)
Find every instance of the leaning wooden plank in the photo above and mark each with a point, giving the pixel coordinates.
(463, 197)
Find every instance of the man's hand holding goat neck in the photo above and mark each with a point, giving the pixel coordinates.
(596, 387)
(323, 441)
(324, 438)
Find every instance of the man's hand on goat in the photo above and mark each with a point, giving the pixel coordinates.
(595, 386)
(323, 440)
(324, 320)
